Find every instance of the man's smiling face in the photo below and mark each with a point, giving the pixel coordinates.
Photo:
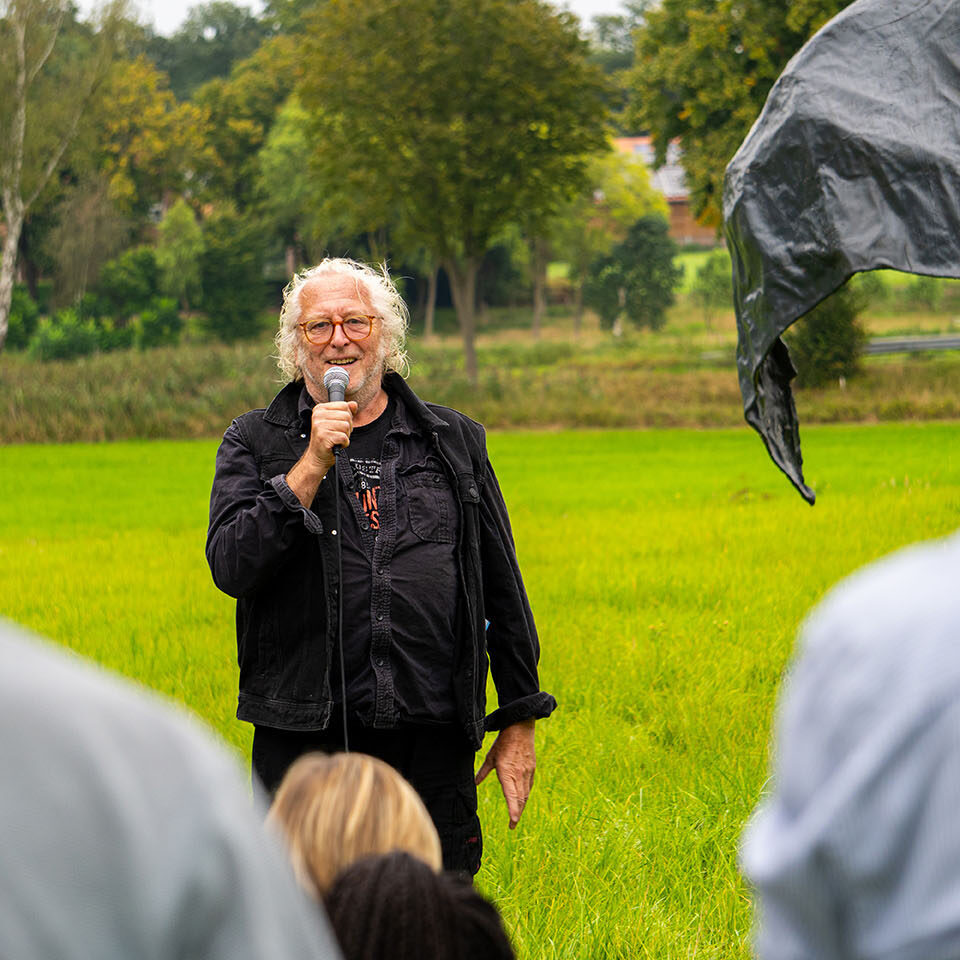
(336, 298)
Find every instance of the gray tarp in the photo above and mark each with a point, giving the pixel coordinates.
(853, 164)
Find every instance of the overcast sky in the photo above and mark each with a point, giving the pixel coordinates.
(167, 15)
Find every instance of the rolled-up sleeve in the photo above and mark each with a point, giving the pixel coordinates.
(512, 642)
(252, 521)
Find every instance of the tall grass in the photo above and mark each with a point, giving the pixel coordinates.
(668, 571)
(683, 376)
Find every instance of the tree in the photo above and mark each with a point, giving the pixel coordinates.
(89, 231)
(231, 274)
(242, 110)
(638, 278)
(48, 84)
(210, 41)
(146, 143)
(180, 246)
(612, 49)
(587, 227)
(456, 116)
(713, 284)
(827, 343)
(702, 72)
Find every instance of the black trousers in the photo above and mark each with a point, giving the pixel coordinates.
(437, 760)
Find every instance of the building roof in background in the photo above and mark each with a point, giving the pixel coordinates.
(668, 179)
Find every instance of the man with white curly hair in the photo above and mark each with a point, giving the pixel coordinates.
(429, 588)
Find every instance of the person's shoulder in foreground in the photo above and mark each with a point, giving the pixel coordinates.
(126, 831)
(856, 852)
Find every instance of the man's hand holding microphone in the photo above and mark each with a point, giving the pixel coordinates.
(331, 424)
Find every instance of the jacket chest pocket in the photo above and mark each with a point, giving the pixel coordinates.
(431, 503)
(272, 466)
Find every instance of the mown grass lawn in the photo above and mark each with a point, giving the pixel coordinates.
(668, 571)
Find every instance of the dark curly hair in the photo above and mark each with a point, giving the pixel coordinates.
(394, 906)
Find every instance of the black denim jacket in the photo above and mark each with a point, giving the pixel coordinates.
(279, 560)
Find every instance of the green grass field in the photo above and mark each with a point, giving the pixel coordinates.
(668, 571)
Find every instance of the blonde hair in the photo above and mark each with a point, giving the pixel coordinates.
(335, 808)
(374, 286)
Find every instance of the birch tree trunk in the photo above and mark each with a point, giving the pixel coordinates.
(74, 90)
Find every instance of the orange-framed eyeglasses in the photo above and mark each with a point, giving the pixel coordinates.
(320, 331)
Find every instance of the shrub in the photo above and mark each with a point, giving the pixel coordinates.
(63, 337)
(638, 278)
(234, 292)
(129, 283)
(827, 343)
(924, 293)
(159, 325)
(712, 287)
(22, 321)
(114, 336)
(870, 287)
(179, 248)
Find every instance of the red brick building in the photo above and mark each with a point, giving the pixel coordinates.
(670, 181)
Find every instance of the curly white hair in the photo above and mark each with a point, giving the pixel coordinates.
(374, 286)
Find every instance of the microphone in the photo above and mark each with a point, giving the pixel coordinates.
(335, 382)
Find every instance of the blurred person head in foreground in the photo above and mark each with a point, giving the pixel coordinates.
(395, 907)
(126, 831)
(856, 851)
(334, 809)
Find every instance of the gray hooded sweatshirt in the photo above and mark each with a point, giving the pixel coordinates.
(855, 853)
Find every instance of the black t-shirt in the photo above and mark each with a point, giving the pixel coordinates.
(415, 590)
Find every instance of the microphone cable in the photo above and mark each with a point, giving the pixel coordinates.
(343, 671)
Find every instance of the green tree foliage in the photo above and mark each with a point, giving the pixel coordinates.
(612, 49)
(64, 336)
(452, 117)
(179, 248)
(24, 314)
(287, 16)
(147, 144)
(702, 72)
(210, 41)
(231, 275)
(924, 293)
(50, 69)
(88, 231)
(242, 109)
(129, 283)
(712, 287)
(288, 190)
(638, 278)
(159, 324)
(827, 343)
(588, 226)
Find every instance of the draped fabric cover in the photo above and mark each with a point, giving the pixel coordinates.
(854, 164)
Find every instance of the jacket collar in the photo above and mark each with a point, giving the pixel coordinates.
(285, 407)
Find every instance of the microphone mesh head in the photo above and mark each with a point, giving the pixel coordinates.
(335, 380)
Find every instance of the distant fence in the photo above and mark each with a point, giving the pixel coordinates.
(938, 341)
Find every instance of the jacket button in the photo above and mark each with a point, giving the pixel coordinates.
(380, 571)
(365, 526)
(473, 491)
(379, 661)
(379, 616)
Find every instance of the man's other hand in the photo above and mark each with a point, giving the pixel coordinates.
(514, 758)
